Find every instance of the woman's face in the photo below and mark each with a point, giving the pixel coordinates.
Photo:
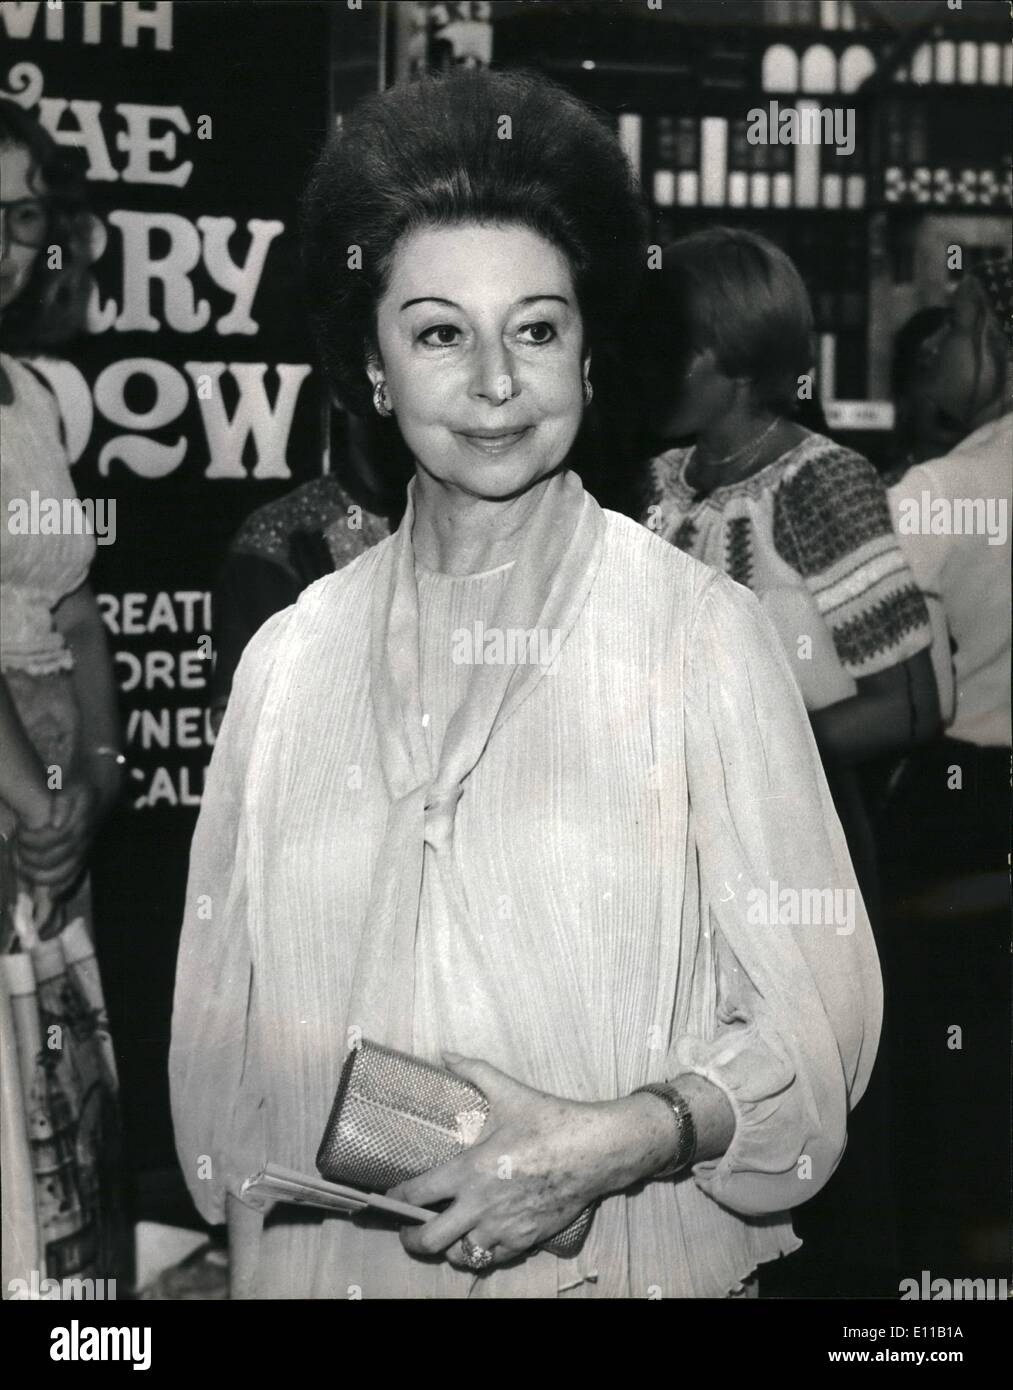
(962, 370)
(18, 180)
(480, 340)
(703, 396)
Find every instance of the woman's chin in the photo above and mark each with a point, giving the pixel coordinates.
(495, 475)
(677, 427)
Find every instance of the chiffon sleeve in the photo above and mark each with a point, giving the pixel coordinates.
(794, 974)
(214, 1076)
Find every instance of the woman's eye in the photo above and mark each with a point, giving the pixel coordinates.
(539, 333)
(440, 335)
(28, 217)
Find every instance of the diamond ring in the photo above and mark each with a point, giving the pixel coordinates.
(475, 1256)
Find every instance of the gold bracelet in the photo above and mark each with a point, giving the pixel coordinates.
(686, 1149)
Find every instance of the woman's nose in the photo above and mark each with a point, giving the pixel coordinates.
(493, 376)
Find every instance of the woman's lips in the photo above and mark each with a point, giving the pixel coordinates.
(494, 441)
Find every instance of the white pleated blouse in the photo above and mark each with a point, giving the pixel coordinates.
(606, 842)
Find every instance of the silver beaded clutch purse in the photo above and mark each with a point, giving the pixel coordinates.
(396, 1116)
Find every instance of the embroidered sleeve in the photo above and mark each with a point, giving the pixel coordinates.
(832, 525)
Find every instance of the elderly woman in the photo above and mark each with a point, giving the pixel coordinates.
(554, 870)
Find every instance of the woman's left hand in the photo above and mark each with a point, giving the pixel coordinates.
(540, 1161)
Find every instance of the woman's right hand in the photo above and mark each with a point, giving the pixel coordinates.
(38, 812)
(52, 855)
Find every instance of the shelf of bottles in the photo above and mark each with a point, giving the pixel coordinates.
(929, 151)
(757, 115)
(705, 115)
(927, 145)
(910, 143)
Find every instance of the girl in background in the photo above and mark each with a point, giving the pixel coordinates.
(804, 524)
(60, 758)
(785, 511)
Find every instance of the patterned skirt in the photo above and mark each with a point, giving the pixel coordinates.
(60, 1123)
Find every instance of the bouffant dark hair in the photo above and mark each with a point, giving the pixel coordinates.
(51, 307)
(471, 147)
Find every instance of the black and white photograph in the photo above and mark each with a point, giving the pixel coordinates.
(505, 672)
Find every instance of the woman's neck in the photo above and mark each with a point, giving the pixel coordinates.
(731, 436)
(458, 533)
(1000, 405)
(754, 451)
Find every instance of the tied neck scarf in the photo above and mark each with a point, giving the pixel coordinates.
(556, 563)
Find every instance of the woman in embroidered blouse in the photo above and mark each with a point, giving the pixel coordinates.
(798, 519)
(560, 871)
